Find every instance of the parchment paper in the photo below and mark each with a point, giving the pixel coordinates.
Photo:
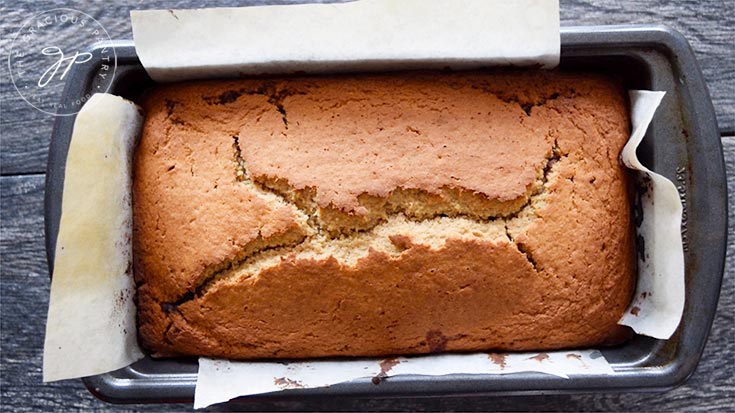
(658, 304)
(91, 318)
(186, 44)
(222, 380)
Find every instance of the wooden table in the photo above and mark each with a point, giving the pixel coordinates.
(709, 26)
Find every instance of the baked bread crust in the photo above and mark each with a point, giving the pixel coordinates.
(382, 214)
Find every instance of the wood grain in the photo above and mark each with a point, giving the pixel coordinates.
(25, 132)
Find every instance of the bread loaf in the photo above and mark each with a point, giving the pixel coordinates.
(370, 215)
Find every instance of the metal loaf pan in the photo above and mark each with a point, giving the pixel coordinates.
(683, 143)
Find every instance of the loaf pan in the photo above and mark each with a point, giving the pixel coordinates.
(683, 144)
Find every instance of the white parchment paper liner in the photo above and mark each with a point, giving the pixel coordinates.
(367, 34)
(91, 318)
(657, 307)
(220, 380)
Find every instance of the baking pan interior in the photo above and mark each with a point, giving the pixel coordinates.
(641, 363)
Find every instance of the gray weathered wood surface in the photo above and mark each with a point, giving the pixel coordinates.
(24, 137)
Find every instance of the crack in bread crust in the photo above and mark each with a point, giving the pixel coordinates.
(275, 97)
(321, 233)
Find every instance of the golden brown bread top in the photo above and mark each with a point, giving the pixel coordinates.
(258, 189)
(369, 136)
